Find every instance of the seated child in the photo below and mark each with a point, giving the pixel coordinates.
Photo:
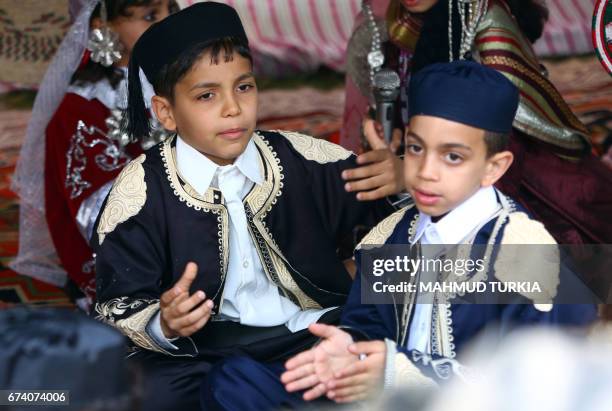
(461, 114)
(222, 240)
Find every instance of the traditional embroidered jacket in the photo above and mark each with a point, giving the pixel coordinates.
(80, 159)
(455, 325)
(569, 197)
(153, 223)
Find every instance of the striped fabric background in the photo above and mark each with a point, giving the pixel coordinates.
(568, 31)
(300, 35)
(291, 36)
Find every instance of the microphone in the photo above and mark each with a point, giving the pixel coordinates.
(386, 91)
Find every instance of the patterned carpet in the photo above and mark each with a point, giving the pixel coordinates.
(15, 288)
(582, 82)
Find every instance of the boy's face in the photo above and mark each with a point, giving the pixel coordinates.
(446, 162)
(214, 108)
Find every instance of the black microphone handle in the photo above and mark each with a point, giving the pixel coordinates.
(385, 113)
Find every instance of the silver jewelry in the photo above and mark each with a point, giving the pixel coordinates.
(103, 42)
(157, 135)
(117, 133)
(450, 30)
(471, 13)
(376, 58)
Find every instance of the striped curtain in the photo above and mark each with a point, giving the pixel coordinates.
(568, 31)
(289, 36)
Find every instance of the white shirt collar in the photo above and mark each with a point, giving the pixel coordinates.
(199, 170)
(458, 223)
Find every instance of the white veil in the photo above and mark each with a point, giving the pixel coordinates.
(37, 256)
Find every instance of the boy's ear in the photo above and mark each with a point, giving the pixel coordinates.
(496, 167)
(163, 111)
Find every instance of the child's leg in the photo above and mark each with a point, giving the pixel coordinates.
(241, 383)
(170, 383)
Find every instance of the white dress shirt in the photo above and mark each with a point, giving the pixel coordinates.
(249, 297)
(453, 228)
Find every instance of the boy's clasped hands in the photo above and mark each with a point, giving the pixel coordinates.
(337, 367)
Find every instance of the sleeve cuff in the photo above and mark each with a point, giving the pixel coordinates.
(400, 371)
(155, 332)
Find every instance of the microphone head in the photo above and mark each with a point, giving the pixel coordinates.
(386, 84)
(386, 79)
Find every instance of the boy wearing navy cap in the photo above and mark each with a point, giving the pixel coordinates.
(461, 116)
(222, 240)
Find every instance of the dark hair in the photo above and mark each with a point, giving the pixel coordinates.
(172, 73)
(496, 142)
(531, 15)
(93, 72)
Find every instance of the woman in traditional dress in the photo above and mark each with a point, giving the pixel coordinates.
(554, 175)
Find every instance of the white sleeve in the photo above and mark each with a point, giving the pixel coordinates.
(155, 332)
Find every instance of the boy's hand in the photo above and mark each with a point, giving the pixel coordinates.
(178, 316)
(362, 378)
(311, 369)
(381, 172)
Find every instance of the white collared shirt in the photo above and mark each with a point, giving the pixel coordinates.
(249, 297)
(453, 228)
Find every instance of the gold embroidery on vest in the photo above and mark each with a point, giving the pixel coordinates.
(126, 198)
(316, 149)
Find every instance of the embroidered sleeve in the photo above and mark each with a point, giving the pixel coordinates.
(412, 368)
(131, 261)
(401, 372)
(131, 316)
(540, 263)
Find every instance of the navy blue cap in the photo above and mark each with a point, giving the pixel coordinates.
(465, 92)
(166, 40)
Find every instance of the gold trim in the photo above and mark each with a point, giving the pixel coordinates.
(134, 327)
(263, 196)
(126, 198)
(186, 194)
(316, 149)
(408, 375)
(529, 264)
(500, 18)
(381, 232)
(445, 330)
(541, 81)
(289, 284)
(197, 202)
(545, 110)
(260, 201)
(499, 21)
